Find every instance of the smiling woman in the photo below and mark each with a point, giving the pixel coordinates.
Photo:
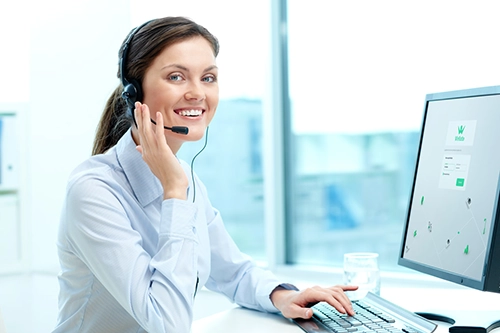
(136, 242)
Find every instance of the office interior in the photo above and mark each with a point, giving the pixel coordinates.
(311, 152)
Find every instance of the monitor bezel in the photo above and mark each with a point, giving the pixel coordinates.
(490, 280)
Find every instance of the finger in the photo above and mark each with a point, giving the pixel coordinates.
(340, 290)
(160, 133)
(139, 118)
(345, 302)
(339, 305)
(146, 136)
(340, 293)
(138, 115)
(349, 288)
(336, 297)
(295, 311)
(145, 117)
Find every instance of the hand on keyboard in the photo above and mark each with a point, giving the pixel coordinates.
(373, 314)
(296, 304)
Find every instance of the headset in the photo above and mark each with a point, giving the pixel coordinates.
(132, 90)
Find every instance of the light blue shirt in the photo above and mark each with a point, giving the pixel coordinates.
(130, 261)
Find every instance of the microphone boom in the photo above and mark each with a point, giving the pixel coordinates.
(176, 129)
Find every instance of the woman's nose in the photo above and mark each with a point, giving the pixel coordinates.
(195, 92)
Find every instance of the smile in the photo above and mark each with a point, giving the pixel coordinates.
(189, 113)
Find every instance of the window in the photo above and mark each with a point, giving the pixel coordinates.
(358, 74)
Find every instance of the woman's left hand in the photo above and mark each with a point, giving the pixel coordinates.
(157, 154)
(296, 304)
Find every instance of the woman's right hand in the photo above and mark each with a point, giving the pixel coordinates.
(158, 155)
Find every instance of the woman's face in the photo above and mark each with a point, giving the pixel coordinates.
(181, 83)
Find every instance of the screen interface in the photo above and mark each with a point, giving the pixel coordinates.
(456, 186)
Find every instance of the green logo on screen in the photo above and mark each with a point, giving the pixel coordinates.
(460, 136)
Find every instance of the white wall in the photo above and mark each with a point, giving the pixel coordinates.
(73, 64)
(14, 55)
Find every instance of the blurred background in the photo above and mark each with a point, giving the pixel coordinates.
(312, 150)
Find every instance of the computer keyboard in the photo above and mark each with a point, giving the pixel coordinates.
(373, 314)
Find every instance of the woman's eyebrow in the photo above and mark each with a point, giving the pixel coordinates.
(176, 66)
(184, 68)
(211, 68)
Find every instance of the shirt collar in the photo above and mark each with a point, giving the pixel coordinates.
(144, 183)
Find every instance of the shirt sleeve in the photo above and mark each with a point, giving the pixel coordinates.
(234, 274)
(157, 290)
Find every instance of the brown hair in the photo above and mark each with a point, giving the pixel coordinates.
(144, 46)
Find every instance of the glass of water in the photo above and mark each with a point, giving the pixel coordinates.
(361, 269)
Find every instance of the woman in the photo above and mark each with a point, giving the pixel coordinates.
(138, 235)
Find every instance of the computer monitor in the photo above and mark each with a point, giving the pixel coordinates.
(453, 218)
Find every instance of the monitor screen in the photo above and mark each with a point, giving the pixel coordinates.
(453, 211)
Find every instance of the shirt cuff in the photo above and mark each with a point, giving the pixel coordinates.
(283, 286)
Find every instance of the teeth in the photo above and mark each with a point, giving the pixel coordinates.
(191, 113)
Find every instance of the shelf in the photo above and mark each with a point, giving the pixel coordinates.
(13, 244)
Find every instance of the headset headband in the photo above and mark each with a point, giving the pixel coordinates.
(123, 59)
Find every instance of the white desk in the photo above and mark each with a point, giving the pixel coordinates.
(465, 306)
(243, 320)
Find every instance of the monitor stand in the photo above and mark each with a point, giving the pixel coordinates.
(480, 318)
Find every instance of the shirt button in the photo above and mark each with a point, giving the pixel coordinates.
(194, 230)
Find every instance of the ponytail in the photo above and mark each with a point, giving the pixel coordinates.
(113, 124)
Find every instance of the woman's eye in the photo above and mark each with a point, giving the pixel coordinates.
(209, 79)
(175, 77)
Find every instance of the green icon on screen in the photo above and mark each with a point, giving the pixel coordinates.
(422, 200)
(460, 182)
(466, 250)
(460, 136)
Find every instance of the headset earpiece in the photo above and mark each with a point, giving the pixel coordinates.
(138, 90)
(132, 91)
(129, 95)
